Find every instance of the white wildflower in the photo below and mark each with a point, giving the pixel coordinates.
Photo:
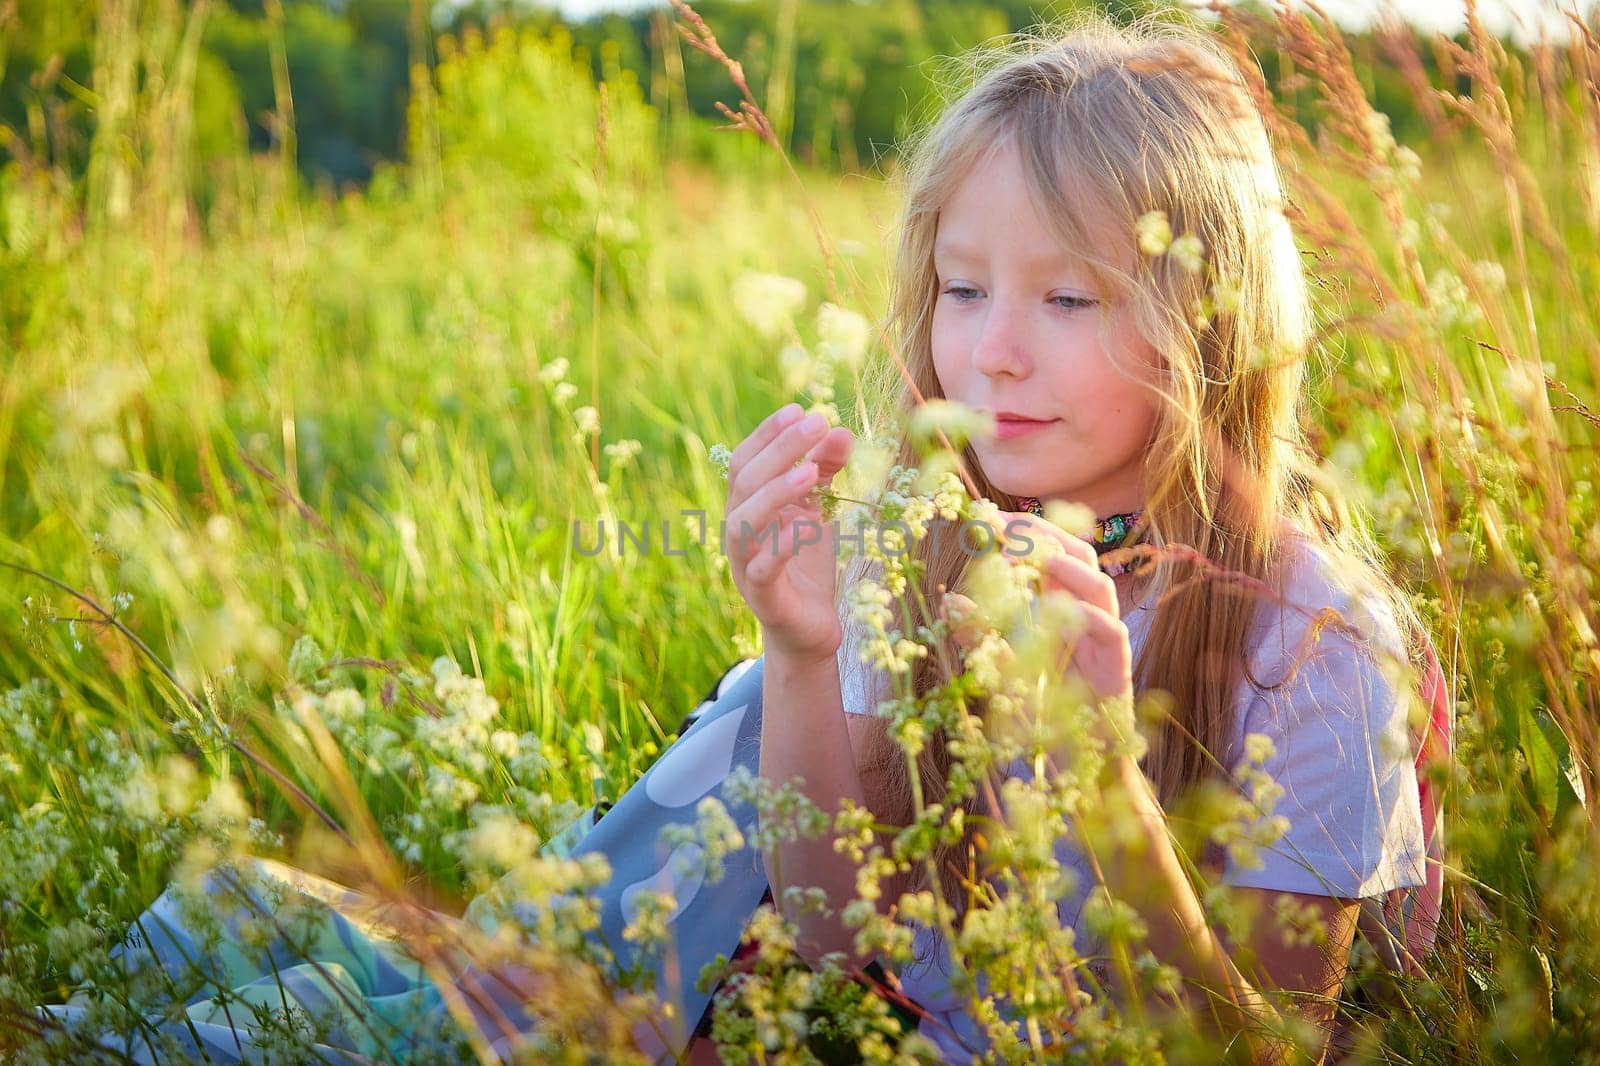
(1074, 518)
(1376, 126)
(827, 410)
(1189, 253)
(1409, 233)
(109, 449)
(718, 836)
(623, 452)
(505, 743)
(140, 797)
(1258, 748)
(225, 806)
(1522, 381)
(1154, 233)
(949, 498)
(845, 335)
(957, 421)
(797, 366)
(1452, 301)
(986, 661)
(449, 790)
(498, 842)
(895, 656)
(650, 923)
(869, 605)
(1489, 275)
(1408, 165)
(179, 782)
(768, 302)
(721, 456)
(343, 705)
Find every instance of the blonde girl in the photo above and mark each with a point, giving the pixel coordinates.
(1093, 251)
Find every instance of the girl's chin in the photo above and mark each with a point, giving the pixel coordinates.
(1019, 487)
(1015, 479)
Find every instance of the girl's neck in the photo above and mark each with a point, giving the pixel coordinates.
(1132, 588)
(1111, 529)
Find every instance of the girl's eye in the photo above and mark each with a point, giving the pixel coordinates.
(965, 293)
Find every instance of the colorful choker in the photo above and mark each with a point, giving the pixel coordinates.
(1109, 532)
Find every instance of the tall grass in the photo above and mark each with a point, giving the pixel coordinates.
(303, 446)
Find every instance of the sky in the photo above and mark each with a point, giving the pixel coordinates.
(1518, 18)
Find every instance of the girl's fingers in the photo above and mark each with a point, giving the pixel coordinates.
(1101, 653)
(754, 523)
(962, 613)
(775, 460)
(1040, 530)
(768, 563)
(795, 521)
(763, 435)
(1084, 581)
(832, 453)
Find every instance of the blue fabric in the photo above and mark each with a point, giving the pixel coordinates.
(340, 964)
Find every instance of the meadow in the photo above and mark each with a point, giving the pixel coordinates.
(288, 480)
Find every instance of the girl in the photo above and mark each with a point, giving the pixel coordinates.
(1037, 280)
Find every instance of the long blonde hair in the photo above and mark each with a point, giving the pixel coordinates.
(1112, 123)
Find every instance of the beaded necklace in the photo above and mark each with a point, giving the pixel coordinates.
(1109, 532)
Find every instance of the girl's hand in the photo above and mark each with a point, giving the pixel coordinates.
(1100, 653)
(783, 556)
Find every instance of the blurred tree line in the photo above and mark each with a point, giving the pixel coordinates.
(347, 63)
(840, 78)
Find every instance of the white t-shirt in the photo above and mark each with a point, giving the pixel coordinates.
(1342, 755)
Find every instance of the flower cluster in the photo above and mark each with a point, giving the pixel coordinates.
(772, 303)
(1252, 825)
(769, 302)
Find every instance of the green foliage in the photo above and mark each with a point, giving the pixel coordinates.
(520, 134)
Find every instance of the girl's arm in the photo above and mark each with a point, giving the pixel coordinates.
(787, 573)
(805, 734)
(1147, 874)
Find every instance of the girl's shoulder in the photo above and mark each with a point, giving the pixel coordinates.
(1330, 688)
(1326, 606)
(1318, 596)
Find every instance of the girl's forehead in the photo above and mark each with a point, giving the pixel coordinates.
(1058, 241)
(1074, 222)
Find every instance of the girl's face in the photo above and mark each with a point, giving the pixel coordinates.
(1017, 332)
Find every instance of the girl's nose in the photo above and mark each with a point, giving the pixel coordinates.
(1000, 349)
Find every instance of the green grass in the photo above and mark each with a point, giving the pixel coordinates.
(302, 416)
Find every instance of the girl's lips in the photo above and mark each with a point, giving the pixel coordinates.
(1011, 428)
